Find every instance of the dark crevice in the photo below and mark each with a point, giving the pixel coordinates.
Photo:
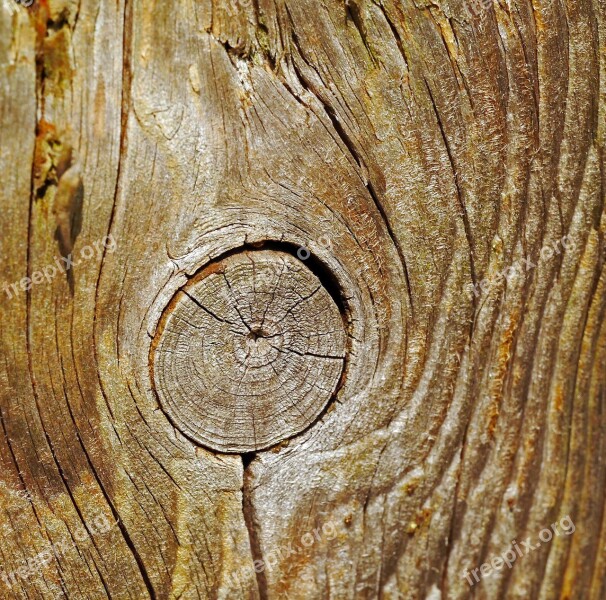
(312, 262)
(247, 458)
(240, 51)
(251, 522)
(330, 113)
(248, 53)
(235, 301)
(395, 242)
(351, 147)
(105, 494)
(39, 89)
(464, 215)
(207, 310)
(394, 32)
(61, 21)
(343, 136)
(354, 13)
(331, 356)
(454, 528)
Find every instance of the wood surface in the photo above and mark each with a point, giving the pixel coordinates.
(440, 166)
(249, 352)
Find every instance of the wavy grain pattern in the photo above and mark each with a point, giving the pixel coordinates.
(418, 151)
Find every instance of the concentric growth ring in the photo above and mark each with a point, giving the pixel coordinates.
(249, 352)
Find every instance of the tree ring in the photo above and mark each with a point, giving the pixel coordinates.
(249, 352)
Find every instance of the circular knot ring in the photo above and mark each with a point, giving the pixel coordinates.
(249, 352)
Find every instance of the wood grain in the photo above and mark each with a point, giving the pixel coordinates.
(436, 146)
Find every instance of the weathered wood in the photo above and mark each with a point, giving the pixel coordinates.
(418, 151)
(248, 352)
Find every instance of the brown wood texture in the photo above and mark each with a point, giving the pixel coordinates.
(439, 167)
(249, 352)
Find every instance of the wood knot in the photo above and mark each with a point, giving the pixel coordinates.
(249, 352)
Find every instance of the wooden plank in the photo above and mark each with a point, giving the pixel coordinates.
(438, 170)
